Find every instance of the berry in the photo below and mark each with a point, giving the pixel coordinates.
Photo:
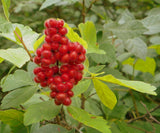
(63, 49)
(61, 97)
(60, 23)
(55, 69)
(80, 67)
(45, 62)
(46, 23)
(41, 76)
(64, 40)
(54, 46)
(47, 54)
(67, 101)
(57, 79)
(65, 77)
(43, 84)
(64, 69)
(36, 80)
(70, 93)
(63, 31)
(53, 94)
(56, 38)
(37, 70)
(69, 85)
(61, 87)
(52, 23)
(37, 60)
(53, 87)
(52, 31)
(46, 46)
(73, 55)
(57, 102)
(48, 39)
(39, 51)
(65, 58)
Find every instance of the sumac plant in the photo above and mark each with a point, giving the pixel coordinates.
(98, 76)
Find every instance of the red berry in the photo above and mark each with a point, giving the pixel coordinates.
(41, 76)
(46, 23)
(57, 102)
(47, 54)
(50, 80)
(61, 97)
(65, 77)
(71, 46)
(57, 80)
(64, 40)
(60, 23)
(78, 76)
(55, 46)
(83, 51)
(72, 80)
(46, 46)
(52, 31)
(70, 93)
(39, 52)
(63, 49)
(36, 80)
(48, 39)
(43, 84)
(53, 94)
(58, 55)
(63, 31)
(55, 69)
(64, 69)
(37, 70)
(81, 58)
(53, 23)
(61, 87)
(56, 38)
(72, 73)
(49, 73)
(53, 87)
(80, 67)
(65, 58)
(79, 48)
(37, 60)
(45, 62)
(73, 56)
(67, 101)
(69, 85)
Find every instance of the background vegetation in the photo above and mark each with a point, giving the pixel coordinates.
(127, 46)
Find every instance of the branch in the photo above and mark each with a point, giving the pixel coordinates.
(140, 117)
(21, 40)
(91, 5)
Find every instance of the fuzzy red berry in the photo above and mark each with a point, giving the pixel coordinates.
(61, 97)
(67, 101)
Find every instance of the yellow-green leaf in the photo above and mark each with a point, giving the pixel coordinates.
(38, 42)
(148, 65)
(18, 34)
(74, 37)
(156, 47)
(105, 94)
(90, 120)
(135, 85)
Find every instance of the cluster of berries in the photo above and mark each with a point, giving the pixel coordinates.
(60, 62)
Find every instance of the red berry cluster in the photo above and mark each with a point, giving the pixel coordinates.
(59, 62)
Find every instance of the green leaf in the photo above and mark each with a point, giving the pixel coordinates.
(38, 42)
(81, 87)
(90, 120)
(41, 111)
(128, 30)
(29, 36)
(5, 26)
(88, 33)
(17, 34)
(17, 56)
(48, 3)
(51, 128)
(74, 37)
(4, 128)
(105, 94)
(6, 5)
(19, 79)
(110, 55)
(142, 65)
(18, 96)
(152, 23)
(14, 118)
(135, 85)
(137, 47)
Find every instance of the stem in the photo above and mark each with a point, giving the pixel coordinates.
(134, 102)
(58, 120)
(83, 11)
(91, 5)
(21, 40)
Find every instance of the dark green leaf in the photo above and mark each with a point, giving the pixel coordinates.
(18, 96)
(41, 111)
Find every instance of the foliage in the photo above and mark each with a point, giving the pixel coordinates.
(120, 87)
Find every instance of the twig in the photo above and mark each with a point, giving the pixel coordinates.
(91, 95)
(87, 77)
(21, 40)
(58, 119)
(134, 102)
(41, 98)
(83, 11)
(91, 5)
(150, 116)
(140, 117)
